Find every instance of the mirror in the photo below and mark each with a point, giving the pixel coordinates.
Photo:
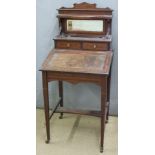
(85, 25)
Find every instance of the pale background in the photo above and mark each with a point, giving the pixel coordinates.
(136, 79)
(81, 96)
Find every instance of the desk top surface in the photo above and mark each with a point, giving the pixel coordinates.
(78, 61)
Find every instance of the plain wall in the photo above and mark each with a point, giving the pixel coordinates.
(80, 96)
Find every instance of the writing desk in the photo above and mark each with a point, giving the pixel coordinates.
(74, 67)
(79, 58)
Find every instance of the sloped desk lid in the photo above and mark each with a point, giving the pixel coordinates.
(78, 61)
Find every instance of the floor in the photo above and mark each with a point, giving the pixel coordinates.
(75, 135)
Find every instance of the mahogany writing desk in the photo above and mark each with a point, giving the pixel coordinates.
(80, 56)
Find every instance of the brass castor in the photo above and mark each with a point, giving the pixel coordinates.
(61, 116)
(101, 149)
(47, 141)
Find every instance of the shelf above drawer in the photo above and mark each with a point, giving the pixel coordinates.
(107, 38)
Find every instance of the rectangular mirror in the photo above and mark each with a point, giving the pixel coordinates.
(85, 25)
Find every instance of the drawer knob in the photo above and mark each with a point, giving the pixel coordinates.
(68, 44)
(94, 46)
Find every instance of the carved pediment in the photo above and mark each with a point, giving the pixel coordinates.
(84, 5)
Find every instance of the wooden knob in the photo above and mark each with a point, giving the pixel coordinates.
(68, 44)
(94, 46)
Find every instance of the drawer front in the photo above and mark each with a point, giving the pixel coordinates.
(95, 46)
(68, 44)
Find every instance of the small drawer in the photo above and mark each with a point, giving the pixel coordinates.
(68, 44)
(95, 46)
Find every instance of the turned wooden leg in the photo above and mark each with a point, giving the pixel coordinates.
(103, 115)
(61, 96)
(46, 104)
(108, 96)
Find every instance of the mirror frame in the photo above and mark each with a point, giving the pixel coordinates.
(101, 26)
(85, 32)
